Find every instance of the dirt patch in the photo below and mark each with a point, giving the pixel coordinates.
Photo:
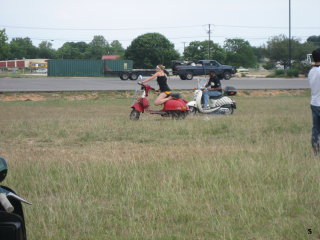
(46, 96)
(271, 93)
(83, 96)
(22, 97)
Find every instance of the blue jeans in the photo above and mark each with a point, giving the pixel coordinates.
(207, 94)
(315, 137)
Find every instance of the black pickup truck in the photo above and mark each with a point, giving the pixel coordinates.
(186, 70)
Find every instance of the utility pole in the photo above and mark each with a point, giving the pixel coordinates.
(184, 46)
(209, 32)
(289, 35)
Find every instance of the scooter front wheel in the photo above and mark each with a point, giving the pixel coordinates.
(193, 111)
(134, 115)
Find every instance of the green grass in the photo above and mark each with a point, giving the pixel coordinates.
(91, 173)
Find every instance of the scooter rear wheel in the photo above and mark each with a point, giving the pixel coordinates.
(231, 110)
(183, 115)
(178, 115)
(134, 115)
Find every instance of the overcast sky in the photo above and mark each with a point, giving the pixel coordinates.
(180, 21)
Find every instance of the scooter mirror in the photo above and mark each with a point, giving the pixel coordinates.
(3, 169)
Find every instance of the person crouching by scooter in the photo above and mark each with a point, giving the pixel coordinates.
(163, 85)
(215, 89)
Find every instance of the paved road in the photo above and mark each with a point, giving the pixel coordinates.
(95, 84)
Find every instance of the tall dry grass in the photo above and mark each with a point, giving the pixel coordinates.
(91, 173)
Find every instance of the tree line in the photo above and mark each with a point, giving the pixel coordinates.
(151, 49)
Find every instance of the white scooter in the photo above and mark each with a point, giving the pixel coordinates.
(218, 105)
(12, 221)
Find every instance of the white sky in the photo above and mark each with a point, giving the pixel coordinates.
(180, 21)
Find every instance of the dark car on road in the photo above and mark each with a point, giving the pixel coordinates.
(186, 69)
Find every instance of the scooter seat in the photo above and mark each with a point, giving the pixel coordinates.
(215, 97)
(175, 95)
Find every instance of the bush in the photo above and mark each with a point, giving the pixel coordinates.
(292, 73)
(303, 67)
(269, 65)
(280, 72)
(285, 73)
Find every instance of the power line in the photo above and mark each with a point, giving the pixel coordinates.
(146, 28)
(238, 26)
(96, 29)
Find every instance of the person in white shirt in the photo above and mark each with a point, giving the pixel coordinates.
(314, 81)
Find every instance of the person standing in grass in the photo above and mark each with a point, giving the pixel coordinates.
(314, 80)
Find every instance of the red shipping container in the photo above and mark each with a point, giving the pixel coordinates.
(11, 64)
(3, 64)
(20, 64)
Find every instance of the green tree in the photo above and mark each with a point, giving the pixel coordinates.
(260, 53)
(116, 48)
(151, 49)
(200, 51)
(315, 40)
(72, 50)
(97, 48)
(4, 46)
(45, 50)
(278, 50)
(239, 53)
(22, 48)
(302, 49)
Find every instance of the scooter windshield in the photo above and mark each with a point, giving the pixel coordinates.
(138, 93)
(202, 82)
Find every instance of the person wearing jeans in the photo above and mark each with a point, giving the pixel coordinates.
(314, 81)
(215, 91)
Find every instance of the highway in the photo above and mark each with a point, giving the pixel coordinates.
(51, 84)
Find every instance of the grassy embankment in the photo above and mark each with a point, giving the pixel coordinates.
(93, 174)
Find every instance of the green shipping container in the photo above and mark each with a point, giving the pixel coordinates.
(117, 65)
(75, 68)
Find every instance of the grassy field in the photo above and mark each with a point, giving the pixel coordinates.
(91, 173)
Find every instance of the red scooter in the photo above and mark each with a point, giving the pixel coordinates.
(176, 108)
